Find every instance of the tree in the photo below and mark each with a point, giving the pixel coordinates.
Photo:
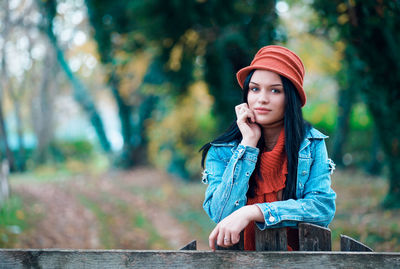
(370, 29)
(214, 37)
(5, 151)
(81, 94)
(224, 34)
(347, 96)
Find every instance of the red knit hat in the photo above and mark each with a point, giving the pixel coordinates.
(281, 61)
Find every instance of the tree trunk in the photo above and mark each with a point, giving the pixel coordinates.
(143, 113)
(81, 94)
(4, 146)
(392, 199)
(154, 76)
(374, 167)
(5, 151)
(345, 102)
(20, 160)
(125, 117)
(387, 116)
(16, 96)
(42, 110)
(4, 185)
(390, 140)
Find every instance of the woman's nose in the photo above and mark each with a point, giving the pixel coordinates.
(263, 97)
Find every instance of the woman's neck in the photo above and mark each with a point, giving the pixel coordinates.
(271, 135)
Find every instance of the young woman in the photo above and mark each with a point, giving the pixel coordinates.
(270, 167)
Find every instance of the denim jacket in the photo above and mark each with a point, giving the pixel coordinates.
(228, 169)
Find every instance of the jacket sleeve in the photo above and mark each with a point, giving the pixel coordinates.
(228, 182)
(317, 201)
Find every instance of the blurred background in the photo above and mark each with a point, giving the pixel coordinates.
(105, 104)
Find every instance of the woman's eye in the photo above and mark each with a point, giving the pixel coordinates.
(275, 90)
(253, 89)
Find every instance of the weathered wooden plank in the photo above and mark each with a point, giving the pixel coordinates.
(191, 246)
(271, 239)
(314, 238)
(238, 246)
(349, 244)
(52, 258)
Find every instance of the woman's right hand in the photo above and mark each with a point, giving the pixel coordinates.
(246, 121)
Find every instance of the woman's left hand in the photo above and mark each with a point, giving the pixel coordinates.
(227, 232)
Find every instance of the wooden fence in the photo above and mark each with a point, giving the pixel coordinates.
(311, 238)
(314, 243)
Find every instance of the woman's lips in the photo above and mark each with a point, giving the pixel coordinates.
(260, 110)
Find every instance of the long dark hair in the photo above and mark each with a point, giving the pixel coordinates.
(295, 129)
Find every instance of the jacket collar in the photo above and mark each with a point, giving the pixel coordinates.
(315, 134)
(311, 134)
(225, 144)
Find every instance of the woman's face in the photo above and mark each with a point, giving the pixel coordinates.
(266, 98)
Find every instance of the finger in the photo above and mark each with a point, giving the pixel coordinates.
(220, 238)
(212, 237)
(227, 240)
(235, 238)
(239, 110)
(253, 116)
(243, 105)
(239, 107)
(244, 116)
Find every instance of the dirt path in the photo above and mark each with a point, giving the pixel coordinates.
(66, 223)
(125, 210)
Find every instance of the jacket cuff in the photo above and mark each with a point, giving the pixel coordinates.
(271, 216)
(248, 153)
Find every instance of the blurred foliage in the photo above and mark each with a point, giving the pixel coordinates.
(185, 41)
(12, 221)
(325, 80)
(170, 67)
(79, 149)
(322, 116)
(176, 138)
(369, 32)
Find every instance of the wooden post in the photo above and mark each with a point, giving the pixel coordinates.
(314, 238)
(349, 244)
(274, 239)
(191, 246)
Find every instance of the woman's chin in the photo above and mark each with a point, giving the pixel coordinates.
(269, 123)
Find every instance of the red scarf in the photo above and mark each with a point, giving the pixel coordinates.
(273, 170)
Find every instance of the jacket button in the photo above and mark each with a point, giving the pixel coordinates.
(271, 218)
(304, 173)
(240, 150)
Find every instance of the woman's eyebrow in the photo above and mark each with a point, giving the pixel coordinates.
(269, 85)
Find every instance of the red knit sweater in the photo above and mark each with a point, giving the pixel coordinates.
(273, 170)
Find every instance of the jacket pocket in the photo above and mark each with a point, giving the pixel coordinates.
(303, 173)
